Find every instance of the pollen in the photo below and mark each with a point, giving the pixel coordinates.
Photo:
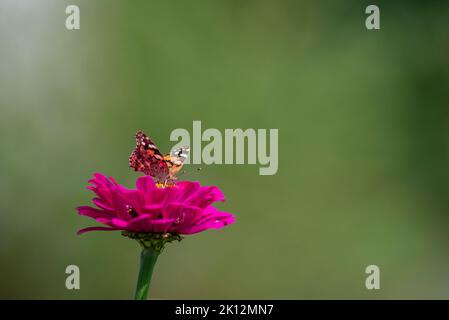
(167, 184)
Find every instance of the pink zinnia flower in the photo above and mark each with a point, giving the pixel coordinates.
(183, 208)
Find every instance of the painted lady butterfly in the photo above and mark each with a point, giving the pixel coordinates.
(147, 158)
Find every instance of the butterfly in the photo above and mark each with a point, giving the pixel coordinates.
(147, 158)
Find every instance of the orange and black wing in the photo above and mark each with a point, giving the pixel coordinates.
(147, 158)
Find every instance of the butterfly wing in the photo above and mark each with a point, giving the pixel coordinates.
(147, 158)
(175, 160)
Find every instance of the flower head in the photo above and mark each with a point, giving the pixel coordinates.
(183, 208)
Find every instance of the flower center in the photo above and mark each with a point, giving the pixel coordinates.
(166, 184)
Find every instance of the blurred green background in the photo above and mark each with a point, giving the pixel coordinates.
(363, 144)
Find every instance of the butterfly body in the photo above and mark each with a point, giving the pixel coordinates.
(147, 158)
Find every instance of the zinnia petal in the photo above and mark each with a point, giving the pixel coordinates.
(145, 184)
(91, 212)
(95, 229)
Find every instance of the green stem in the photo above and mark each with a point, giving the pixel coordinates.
(148, 258)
